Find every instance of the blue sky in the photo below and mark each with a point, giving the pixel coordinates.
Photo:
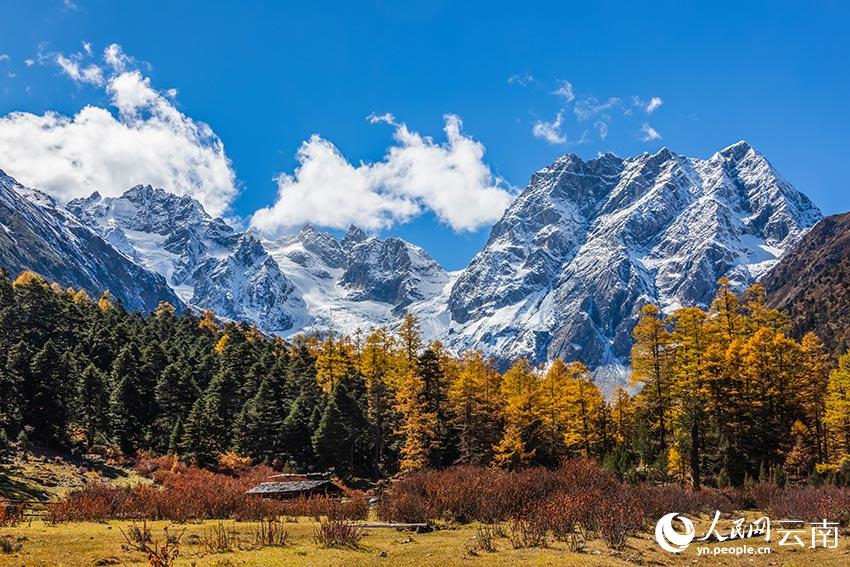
(267, 78)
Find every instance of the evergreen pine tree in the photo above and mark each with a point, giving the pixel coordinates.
(93, 404)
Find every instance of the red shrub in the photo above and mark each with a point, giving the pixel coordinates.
(187, 493)
(811, 504)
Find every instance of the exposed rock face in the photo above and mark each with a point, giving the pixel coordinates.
(588, 243)
(308, 281)
(208, 263)
(358, 281)
(811, 284)
(37, 234)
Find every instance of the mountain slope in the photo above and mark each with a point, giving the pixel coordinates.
(309, 281)
(39, 235)
(811, 284)
(210, 265)
(359, 281)
(588, 243)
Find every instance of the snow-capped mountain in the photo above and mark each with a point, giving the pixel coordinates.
(303, 282)
(564, 273)
(37, 234)
(208, 263)
(588, 243)
(359, 281)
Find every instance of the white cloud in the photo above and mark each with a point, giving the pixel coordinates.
(653, 104)
(4, 57)
(116, 58)
(387, 118)
(602, 128)
(91, 74)
(29, 62)
(417, 174)
(565, 90)
(69, 4)
(550, 131)
(87, 47)
(147, 141)
(648, 133)
(589, 107)
(521, 80)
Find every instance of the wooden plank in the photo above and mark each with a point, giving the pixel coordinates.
(393, 526)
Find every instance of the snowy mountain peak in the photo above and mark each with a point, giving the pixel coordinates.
(353, 236)
(36, 234)
(568, 267)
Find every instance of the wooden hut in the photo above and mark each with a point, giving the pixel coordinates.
(284, 486)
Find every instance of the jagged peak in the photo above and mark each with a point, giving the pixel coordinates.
(308, 228)
(737, 151)
(355, 233)
(740, 145)
(149, 192)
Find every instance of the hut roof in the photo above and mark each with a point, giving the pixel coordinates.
(290, 486)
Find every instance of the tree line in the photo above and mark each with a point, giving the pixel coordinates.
(724, 395)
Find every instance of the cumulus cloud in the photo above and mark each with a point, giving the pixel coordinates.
(91, 74)
(653, 104)
(116, 58)
(550, 131)
(648, 133)
(145, 139)
(4, 57)
(417, 174)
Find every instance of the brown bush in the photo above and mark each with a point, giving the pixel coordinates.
(10, 544)
(182, 494)
(524, 533)
(485, 537)
(219, 539)
(338, 534)
(811, 504)
(159, 554)
(11, 514)
(618, 517)
(270, 533)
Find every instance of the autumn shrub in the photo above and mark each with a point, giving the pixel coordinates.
(10, 544)
(465, 494)
(138, 534)
(485, 538)
(11, 514)
(617, 517)
(811, 504)
(233, 463)
(761, 494)
(219, 539)
(159, 553)
(270, 533)
(405, 507)
(565, 516)
(524, 533)
(338, 534)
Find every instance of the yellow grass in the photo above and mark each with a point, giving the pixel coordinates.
(87, 544)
